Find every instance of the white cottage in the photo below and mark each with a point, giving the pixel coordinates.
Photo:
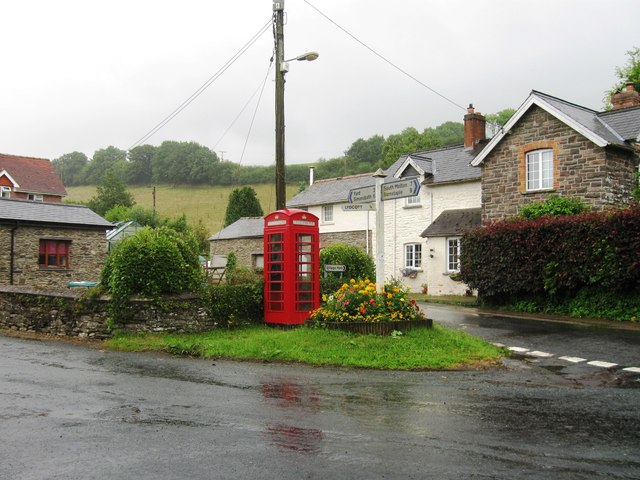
(449, 183)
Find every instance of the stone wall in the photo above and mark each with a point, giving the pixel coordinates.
(357, 238)
(600, 177)
(246, 249)
(72, 314)
(87, 255)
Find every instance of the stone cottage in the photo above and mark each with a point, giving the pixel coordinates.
(47, 245)
(551, 146)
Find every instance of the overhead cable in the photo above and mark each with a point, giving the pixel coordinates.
(380, 56)
(203, 87)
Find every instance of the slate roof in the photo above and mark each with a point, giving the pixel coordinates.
(245, 227)
(612, 128)
(33, 175)
(331, 190)
(626, 122)
(50, 213)
(443, 165)
(454, 222)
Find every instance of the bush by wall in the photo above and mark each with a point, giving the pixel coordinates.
(234, 304)
(151, 263)
(358, 263)
(555, 206)
(554, 257)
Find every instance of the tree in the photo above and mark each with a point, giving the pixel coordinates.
(110, 192)
(140, 161)
(409, 141)
(495, 121)
(184, 162)
(103, 160)
(630, 72)
(243, 202)
(367, 151)
(69, 167)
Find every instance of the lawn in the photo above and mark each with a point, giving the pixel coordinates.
(197, 203)
(419, 349)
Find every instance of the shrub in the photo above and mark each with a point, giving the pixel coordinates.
(358, 263)
(554, 257)
(359, 301)
(151, 263)
(234, 304)
(555, 206)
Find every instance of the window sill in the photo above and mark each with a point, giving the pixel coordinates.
(413, 206)
(53, 269)
(542, 190)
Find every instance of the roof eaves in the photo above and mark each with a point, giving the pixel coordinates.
(610, 129)
(4, 173)
(535, 98)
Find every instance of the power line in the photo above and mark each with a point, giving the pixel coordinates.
(380, 56)
(203, 87)
(255, 92)
(256, 110)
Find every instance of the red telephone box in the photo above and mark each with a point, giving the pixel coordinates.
(291, 266)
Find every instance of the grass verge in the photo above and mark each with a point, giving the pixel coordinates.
(420, 349)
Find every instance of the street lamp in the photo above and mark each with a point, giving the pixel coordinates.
(282, 67)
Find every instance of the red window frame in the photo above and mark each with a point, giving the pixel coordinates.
(54, 253)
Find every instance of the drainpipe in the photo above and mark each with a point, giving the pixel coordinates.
(12, 253)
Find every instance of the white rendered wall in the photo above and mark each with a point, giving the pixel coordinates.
(404, 224)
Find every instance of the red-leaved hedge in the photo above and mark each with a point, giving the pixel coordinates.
(554, 255)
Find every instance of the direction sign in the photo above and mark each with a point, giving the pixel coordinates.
(362, 195)
(405, 187)
(335, 268)
(359, 207)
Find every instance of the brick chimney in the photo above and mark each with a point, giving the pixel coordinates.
(625, 99)
(474, 124)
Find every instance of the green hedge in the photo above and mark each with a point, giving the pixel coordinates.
(556, 257)
(232, 305)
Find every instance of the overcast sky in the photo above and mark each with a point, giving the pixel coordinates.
(83, 75)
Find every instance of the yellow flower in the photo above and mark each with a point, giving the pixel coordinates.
(389, 295)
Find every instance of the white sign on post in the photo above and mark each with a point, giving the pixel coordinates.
(358, 207)
(405, 187)
(362, 195)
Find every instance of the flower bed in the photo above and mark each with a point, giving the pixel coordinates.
(361, 306)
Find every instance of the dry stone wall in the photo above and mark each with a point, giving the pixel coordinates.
(73, 314)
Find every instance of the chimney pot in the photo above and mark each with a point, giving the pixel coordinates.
(474, 127)
(628, 97)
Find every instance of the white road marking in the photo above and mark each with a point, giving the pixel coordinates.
(573, 359)
(536, 353)
(632, 369)
(518, 349)
(499, 345)
(598, 363)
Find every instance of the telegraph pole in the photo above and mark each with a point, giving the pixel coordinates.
(281, 192)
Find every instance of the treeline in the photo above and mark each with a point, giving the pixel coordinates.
(190, 163)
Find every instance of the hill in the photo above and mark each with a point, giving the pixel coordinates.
(204, 203)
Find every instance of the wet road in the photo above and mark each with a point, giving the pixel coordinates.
(570, 349)
(72, 412)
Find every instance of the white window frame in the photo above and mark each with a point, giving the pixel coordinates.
(327, 213)
(413, 201)
(454, 249)
(35, 197)
(539, 169)
(5, 192)
(413, 255)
